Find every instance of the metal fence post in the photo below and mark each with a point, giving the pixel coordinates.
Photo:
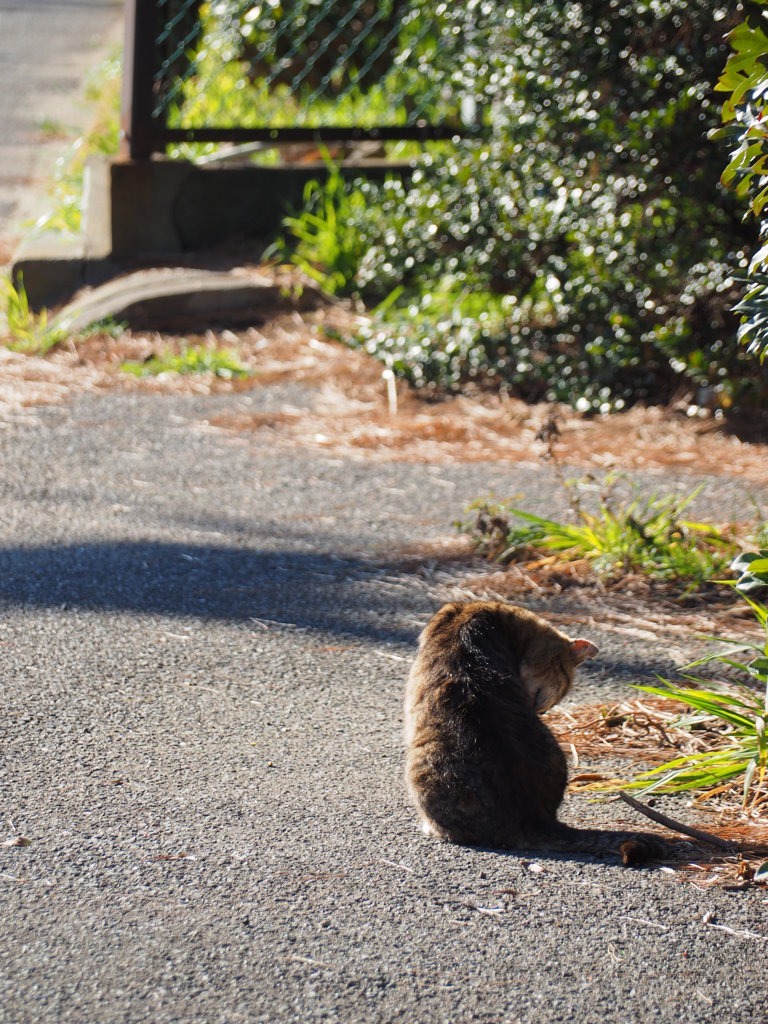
(138, 136)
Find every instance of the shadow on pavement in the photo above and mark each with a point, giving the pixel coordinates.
(312, 590)
(308, 590)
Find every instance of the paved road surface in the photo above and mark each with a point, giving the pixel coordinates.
(203, 644)
(46, 47)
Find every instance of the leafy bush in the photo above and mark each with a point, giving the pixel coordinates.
(583, 252)
(745, 79)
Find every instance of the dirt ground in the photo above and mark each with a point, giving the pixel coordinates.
(358, 412)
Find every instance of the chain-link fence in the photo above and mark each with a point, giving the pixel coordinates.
(236, 70)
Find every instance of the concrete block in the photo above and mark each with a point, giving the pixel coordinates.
(162, 207)
(51, 266)
(97, 203)
(183, 299)
(161, 211)
(143, 196)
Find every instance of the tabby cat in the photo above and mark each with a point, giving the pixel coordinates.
(482, 767)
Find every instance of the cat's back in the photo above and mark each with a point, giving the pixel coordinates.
(441, 657)
(464, 709)
(449, 681)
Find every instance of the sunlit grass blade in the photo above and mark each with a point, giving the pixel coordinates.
(707, 701)
(743, 753)
(693, 771)
(646, 535)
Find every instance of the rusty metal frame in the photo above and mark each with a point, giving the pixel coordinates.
(139, 135)
(142, 134)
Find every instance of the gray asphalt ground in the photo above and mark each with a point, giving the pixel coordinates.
(46, 48)
(203, 645)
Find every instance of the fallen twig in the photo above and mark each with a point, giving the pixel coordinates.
(676, 826)
(738, 934)
(394, 864)
(651, 924)
(309, 960)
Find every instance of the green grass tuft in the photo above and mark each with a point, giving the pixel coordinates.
(743, 755)
(325, 241)
(740, 709)
(192, 359)
(29, 332)
(648, 535)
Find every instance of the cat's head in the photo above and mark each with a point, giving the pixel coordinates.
(505, 638)
(549, 664)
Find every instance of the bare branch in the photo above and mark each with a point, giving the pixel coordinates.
(676, 826)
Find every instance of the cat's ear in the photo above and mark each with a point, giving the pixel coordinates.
(582, 649)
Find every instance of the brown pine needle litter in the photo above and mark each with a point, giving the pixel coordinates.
(644, 732)
(629, 605)
(353, 412)
(639, 730)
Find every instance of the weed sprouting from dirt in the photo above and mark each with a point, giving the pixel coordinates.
(191, 359)
(28, 331)
(652, 535)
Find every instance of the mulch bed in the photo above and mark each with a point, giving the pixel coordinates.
(356, 413)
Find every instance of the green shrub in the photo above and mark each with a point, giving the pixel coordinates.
(745, 79)
(590, 229)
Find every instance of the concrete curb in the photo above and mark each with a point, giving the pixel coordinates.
(185, 299)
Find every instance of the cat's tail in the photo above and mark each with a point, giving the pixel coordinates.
(632, 847)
